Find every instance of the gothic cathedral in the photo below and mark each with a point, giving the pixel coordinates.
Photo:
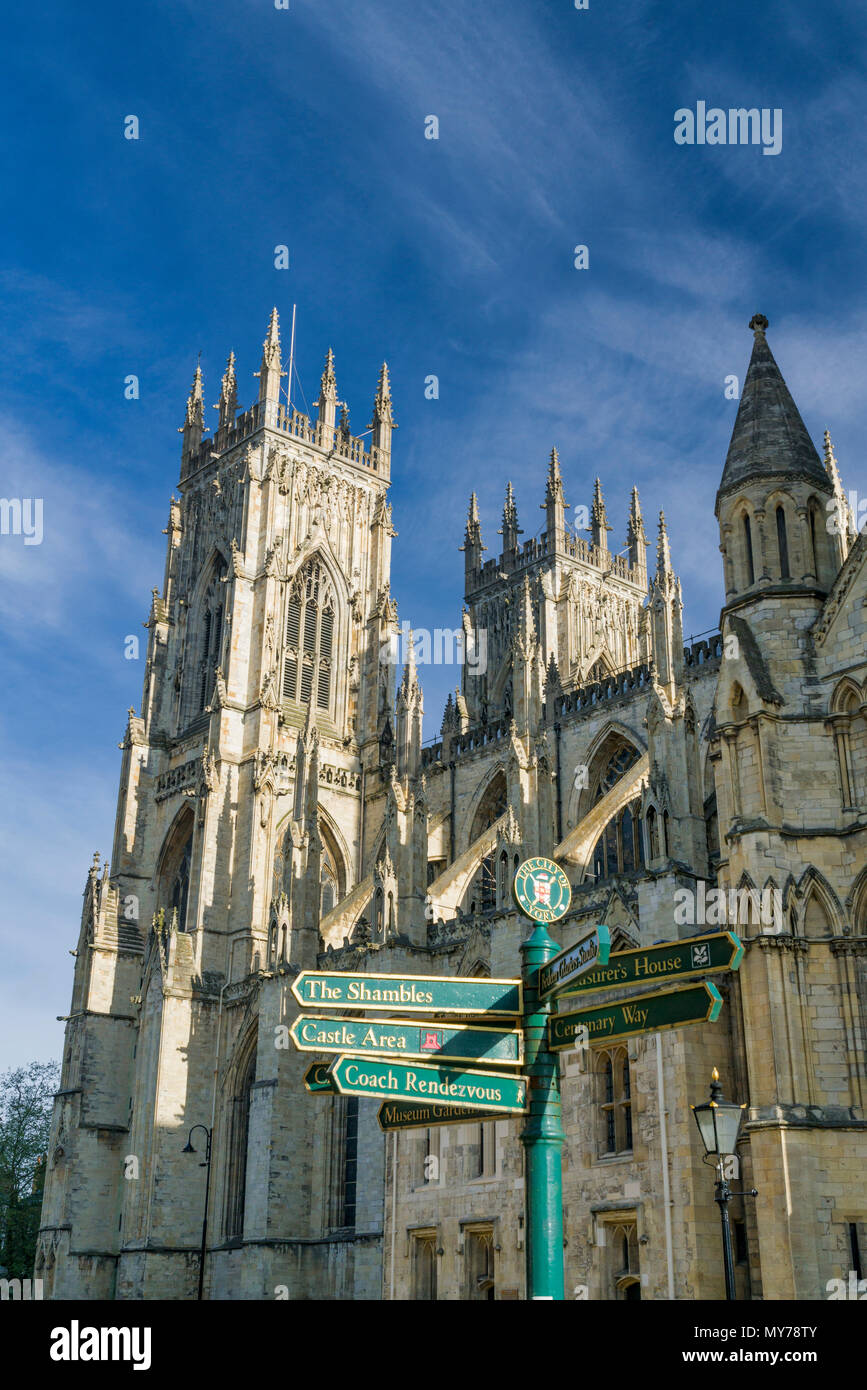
(278, 811)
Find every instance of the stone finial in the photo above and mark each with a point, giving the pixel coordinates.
(227, 405)
(554, 485)
(195, 402)
(663, 551)
(759, 324)
(382, 411)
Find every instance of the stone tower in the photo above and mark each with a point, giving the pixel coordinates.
(790, 771)
(241, 824)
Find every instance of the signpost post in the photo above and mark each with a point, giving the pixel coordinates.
(543, 1135)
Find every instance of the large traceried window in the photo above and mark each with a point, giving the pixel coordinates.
(210, 638)
(173, 882)
(493, 804)
(308, 664)
(620, 848)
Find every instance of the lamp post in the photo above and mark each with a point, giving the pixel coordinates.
(719, 1123)
(188, 1149)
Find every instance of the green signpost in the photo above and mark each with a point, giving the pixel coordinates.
(373, 1056)
(646, 1013)
(591, 951)
(695, 955)
(406, 1114)
(369, 1076)
(396, 1038)
(428, 994)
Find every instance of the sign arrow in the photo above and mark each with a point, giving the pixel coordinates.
(404, 1114)
(368, 1076)
(592, 950)
(428, 994)
(646, 1013)
(400, 1038)
(694, 955)
(316, 1078)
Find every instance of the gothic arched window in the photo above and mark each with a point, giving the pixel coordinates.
(239, 1134)
(748, 547)
(173, 881)
(620, 761)
(620, 848)
(210, 635)
(308, 664)
(490, 808)
(782, 543)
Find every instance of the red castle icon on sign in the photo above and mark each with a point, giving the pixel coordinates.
(431, 1042)
(542, 889)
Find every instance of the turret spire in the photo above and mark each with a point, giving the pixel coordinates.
(271, 369)
(195, 401)
(194, 421)
(845, 522)
(328, 394)
(554, 488)
(599, 527)
(383, 421)
(227, 405)
(472, 546)
(510, 530)
(554, 505)
(636, 538)
(769, 438)
(663, 552)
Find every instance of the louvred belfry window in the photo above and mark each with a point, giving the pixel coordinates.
(308, 666)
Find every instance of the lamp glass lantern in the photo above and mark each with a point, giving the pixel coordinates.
(719, 1121)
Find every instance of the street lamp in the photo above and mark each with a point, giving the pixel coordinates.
(719, 1123)
(188, 1149)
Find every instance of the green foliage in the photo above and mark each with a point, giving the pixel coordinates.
(26, 1097)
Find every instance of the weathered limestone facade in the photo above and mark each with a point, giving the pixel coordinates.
(278, 811)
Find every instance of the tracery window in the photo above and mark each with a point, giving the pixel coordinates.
(210, 636)
(620, 847)
(619, 762)
(308, 663)
(173, 889)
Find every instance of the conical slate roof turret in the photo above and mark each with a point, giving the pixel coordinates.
(769, 438)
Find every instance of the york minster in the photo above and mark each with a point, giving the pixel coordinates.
(280, 811)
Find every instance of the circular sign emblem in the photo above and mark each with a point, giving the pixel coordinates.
(542, 890)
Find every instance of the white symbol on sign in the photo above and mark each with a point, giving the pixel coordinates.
(701, 955)
(542, 889)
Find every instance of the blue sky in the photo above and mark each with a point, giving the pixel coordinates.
(451, 257)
